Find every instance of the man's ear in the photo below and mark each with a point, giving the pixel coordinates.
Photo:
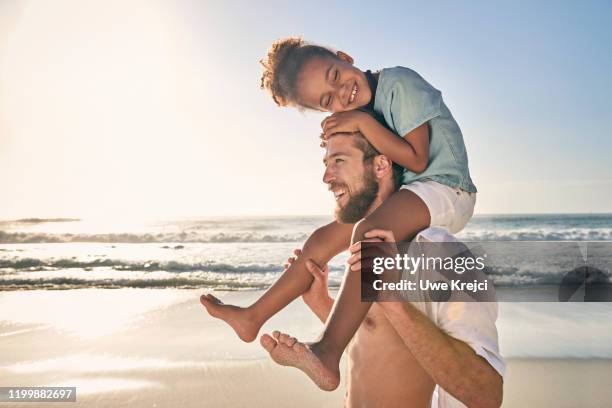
(345, 57)
(382, 166)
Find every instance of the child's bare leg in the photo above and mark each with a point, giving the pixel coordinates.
(405, 214)
(325, 243)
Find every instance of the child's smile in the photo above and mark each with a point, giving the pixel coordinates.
(333, 85)
(353, 93)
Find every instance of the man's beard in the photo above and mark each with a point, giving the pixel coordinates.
(358, 204)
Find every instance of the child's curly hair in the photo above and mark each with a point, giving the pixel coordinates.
(283, 64)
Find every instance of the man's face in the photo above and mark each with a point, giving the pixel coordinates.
(332, 85)
(351, 180)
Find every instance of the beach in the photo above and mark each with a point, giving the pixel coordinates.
(155, 151)
(158, 348)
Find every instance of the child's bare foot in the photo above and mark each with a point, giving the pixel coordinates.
(287, 351)
(237, 317)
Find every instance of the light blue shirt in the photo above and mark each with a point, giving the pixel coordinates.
(407, 101)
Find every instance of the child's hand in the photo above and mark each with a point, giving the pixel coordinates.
(296, 253)
(342, 122)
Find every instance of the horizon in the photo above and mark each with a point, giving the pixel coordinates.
(38, 219)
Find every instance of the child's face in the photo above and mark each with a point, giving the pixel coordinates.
(333, 85)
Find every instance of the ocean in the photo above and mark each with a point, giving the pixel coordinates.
(244, 254)
(231, 253)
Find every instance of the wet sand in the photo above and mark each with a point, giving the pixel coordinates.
(157, 348)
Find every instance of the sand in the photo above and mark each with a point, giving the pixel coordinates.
(157, 348)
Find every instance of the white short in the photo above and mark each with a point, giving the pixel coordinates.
(449, 207)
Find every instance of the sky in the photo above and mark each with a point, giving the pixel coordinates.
(152, 108)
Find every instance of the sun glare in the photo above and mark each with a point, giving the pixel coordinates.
(100, 94)
(91, 318)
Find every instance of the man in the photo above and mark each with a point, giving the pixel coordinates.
(402, 350)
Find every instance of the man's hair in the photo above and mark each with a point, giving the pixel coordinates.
(283, 64)
(369, 152)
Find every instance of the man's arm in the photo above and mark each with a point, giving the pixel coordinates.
(317, 296)
(451, 363)
(322, 308)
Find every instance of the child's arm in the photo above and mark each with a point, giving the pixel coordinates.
(322, 245)
(410, 152)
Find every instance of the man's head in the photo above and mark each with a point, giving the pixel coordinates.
(359, 176)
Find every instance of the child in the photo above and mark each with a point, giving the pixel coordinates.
(436, 186)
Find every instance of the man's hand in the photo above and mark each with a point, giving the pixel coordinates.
(317, 296)
(343, 122)
(363, 256)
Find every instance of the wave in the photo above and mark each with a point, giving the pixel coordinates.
(132, 238)
(41, 220)
(78, 283)
(511, 276)
(574, 234)
(38, 220)
(36, 265)
(30, 273)
(226, 282)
